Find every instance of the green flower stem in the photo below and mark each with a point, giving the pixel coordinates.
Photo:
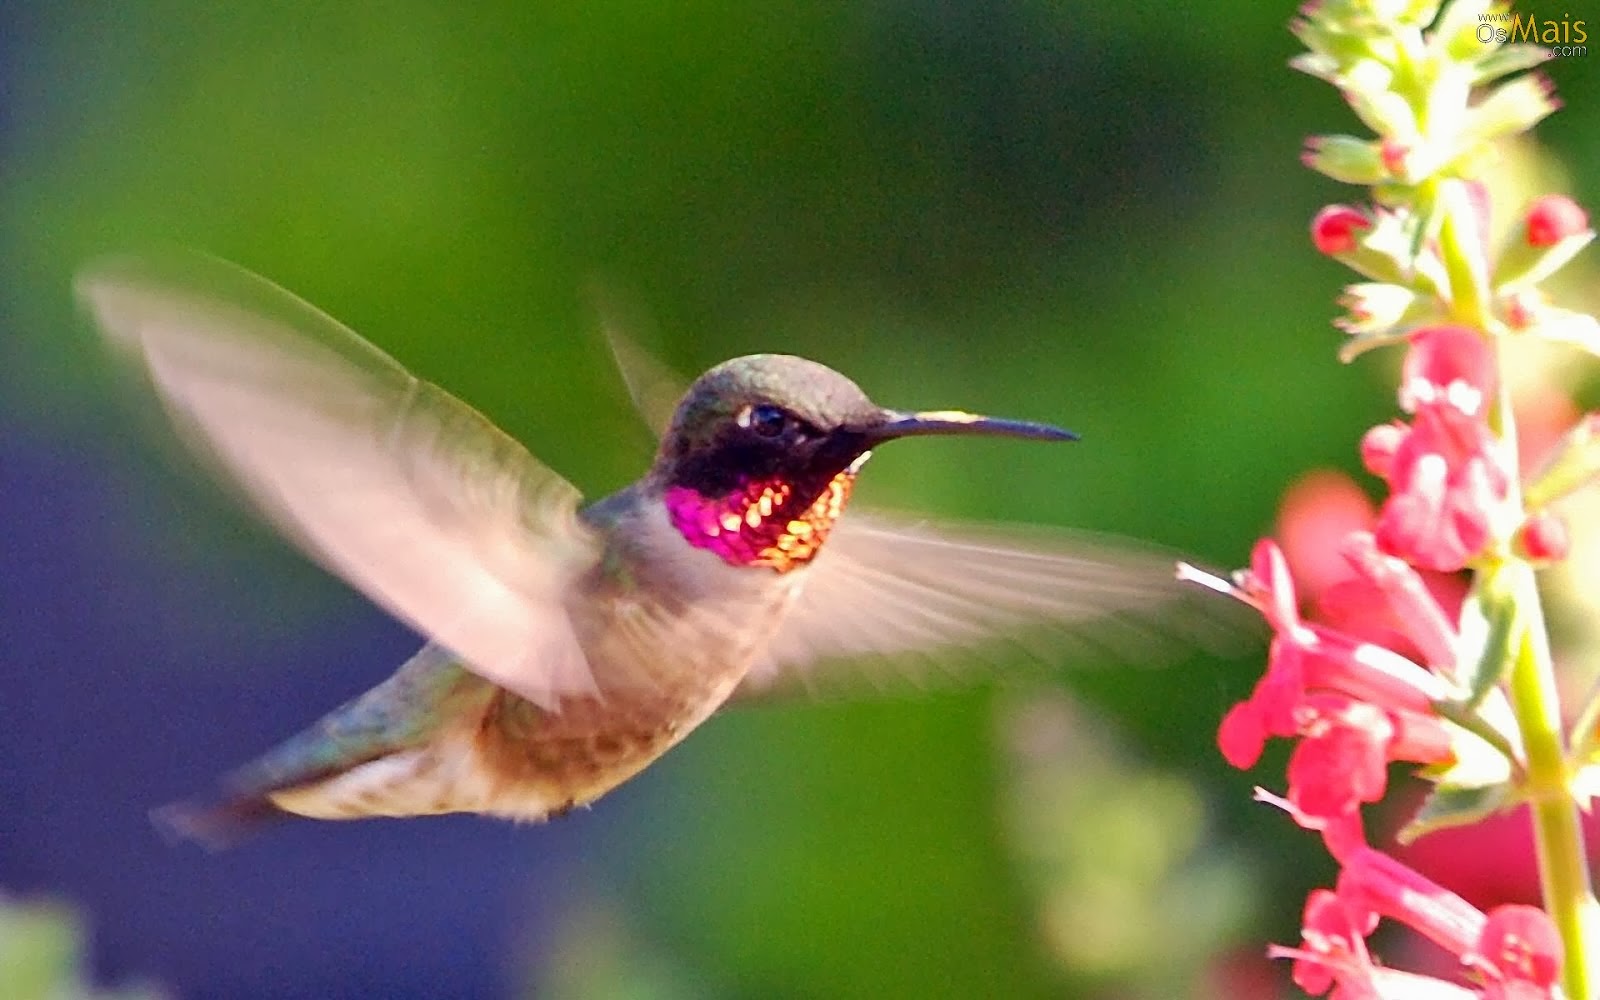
(1473, 722)
(1468, 297)
(1558, 834)
(1511, 590)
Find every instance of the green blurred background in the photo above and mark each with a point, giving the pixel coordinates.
(1089, 214)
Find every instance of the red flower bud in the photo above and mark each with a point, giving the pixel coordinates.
(1553, 218)
(1335, 229)
(1543, 537)
(1378, 447)
(1394, 155)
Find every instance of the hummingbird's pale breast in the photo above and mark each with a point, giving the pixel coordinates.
(669, 631)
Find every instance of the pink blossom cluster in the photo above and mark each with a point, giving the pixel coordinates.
(1365, 692)
(1405, 661)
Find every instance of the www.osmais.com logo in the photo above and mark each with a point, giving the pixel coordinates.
(1565, 37)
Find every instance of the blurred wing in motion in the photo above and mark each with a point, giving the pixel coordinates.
(654, 388)
(391, 483)
(890, 601)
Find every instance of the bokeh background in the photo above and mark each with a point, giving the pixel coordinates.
(1084, 213)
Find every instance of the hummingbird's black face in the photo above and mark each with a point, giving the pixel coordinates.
(767, 418)
(766, 441)
(761, 457)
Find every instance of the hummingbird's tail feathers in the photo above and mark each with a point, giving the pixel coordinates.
(363, 758)
(217, 826)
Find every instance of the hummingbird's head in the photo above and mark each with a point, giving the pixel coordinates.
(763, 450)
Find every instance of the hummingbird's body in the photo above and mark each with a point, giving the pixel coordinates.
(569, 646)
(437, 738)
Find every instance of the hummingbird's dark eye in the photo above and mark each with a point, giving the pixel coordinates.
(766, 420)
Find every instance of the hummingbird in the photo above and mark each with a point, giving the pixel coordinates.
(568, 646)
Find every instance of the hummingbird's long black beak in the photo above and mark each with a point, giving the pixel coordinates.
(896, 424)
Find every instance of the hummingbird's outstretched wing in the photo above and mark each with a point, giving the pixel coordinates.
(653, 388)
(390, 482)
(888, 600)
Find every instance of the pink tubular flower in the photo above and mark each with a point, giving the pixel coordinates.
(1451, 367)
(1325, 527)
(1521, 944)
(1343, 760)
(1512, 951)
(1335, 940)
(1410, 607)
(1356, 705)
(1308, 655)
(1552, 218)
(1333, 955)
(1446, 470)
(1343, 757)
(1438, 514)
(1335, 229)
(1384, 887)
(1446, 480)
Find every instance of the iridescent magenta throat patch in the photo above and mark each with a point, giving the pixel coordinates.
(755, 525)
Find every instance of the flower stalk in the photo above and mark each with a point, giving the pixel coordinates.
(1557, 830)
